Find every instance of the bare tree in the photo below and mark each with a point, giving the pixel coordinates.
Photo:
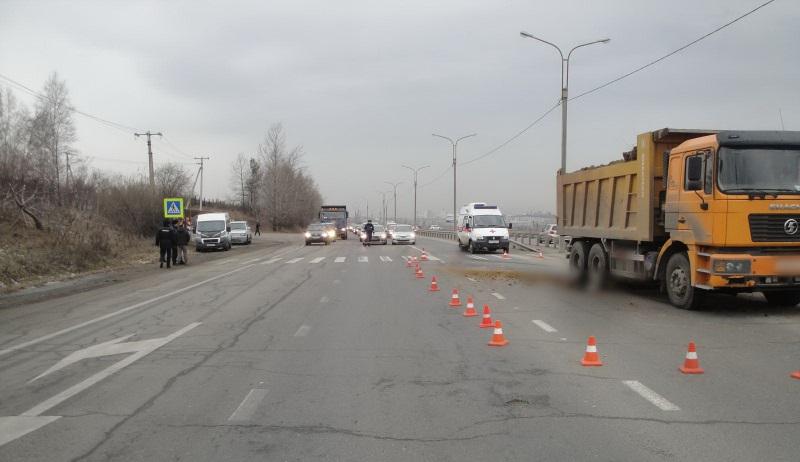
(240, 177)
(172, 180)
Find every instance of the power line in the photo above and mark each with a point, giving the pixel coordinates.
(671, 53)
(439, 177)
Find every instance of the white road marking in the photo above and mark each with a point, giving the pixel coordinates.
(339, 259)
(294, 260)
(471, 279)
(648, 394)
(498, 296)
(545, 327)
(405, 258)
(302, 331)
(253, 260)
(317, 260)
(271, 260)
(14, 427)
(384, 258)
(363, 259)
(226, 260)
(476, 257)
(118, 312)
(324, 300)
(143, 348)
(249, 405)
(430, 257)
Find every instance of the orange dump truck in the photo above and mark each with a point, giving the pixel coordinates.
(695, 210)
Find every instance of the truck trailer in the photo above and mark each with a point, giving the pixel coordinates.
(698, 211)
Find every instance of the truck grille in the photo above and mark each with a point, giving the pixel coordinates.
(770, 228)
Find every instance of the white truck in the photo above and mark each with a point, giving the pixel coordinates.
(482, 227)
(213, 231)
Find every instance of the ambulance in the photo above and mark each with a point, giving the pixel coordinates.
(482, 227)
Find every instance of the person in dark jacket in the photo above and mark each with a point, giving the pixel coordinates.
(165, 239)
(183, 240)
(369, 228)
(258, 228)
(175, 243)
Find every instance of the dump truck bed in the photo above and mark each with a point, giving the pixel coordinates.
(620, 200)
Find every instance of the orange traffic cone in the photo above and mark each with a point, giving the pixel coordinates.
(591, 358)
(795, 375)
(454, 300)
(408, 262)
(424, 256)
(434, 285)
(418, 273)
(505, 254)
(470, 311)
(691, 365)
(498, 339)
(486, 322)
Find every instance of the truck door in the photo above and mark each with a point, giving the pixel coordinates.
(694, 220)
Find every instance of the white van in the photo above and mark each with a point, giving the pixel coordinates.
(213, 231)
(482, 227)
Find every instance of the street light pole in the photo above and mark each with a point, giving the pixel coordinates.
(564, 89)
(415, 171)
(394, 186)
(455, 147)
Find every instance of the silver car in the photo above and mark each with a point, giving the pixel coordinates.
(240, 233)
(404, 234)
(378, 235)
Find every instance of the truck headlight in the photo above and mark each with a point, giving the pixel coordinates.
(383, 235)
(413, 235)
(308, 234)
(731, 266)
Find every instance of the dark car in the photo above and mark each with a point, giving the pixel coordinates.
(319, 233)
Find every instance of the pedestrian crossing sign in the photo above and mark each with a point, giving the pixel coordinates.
(173, 207)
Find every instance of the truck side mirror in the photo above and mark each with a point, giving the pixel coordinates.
(694, 173)
(510, 225)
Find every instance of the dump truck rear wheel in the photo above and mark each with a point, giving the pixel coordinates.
(678, 283)
(789, 298)
(577, 262)
(597, 267)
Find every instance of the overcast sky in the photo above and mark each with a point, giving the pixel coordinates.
(362, 85)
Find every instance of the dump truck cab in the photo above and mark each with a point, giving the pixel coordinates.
(733, 201)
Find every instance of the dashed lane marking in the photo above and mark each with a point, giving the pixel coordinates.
(340, 259)
(545, 327)
(648, 394)
(384, 258)
(253, 260)
(271, 260)
(498, 296)
(302, 331)
(317, 260)
(471, 279)
(294, 260)
(476, 257)
(249, 405)
(363, 259)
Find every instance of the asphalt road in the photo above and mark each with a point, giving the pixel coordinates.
(337, 352)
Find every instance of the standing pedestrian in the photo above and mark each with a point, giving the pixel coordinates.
(183, 240)
(165, 237)
(175, 242)
(258, 228)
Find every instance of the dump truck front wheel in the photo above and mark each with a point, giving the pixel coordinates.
(678, 282)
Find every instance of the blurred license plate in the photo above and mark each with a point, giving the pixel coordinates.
(789, 266)
(494, 241)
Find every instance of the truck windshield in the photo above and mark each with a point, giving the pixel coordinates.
(209, 226)
(753, 170)
(488, 221)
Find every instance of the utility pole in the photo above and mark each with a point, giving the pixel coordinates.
(415, 171)
(455, 147)
(150, 155)
(394, 186)
(201, 159)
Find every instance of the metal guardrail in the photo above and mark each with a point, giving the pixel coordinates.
(534, 240)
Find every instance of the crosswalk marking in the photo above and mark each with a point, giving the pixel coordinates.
(384, 258)
(339, 260)
(363, 259)
(294, 260)
(432, 258)
(317, 260)
(271, 260)
(498, 296)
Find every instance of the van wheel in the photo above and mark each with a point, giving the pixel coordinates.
(470, 247)
(788, 299)
(678, 281)
(597, 267)
(577, 262)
